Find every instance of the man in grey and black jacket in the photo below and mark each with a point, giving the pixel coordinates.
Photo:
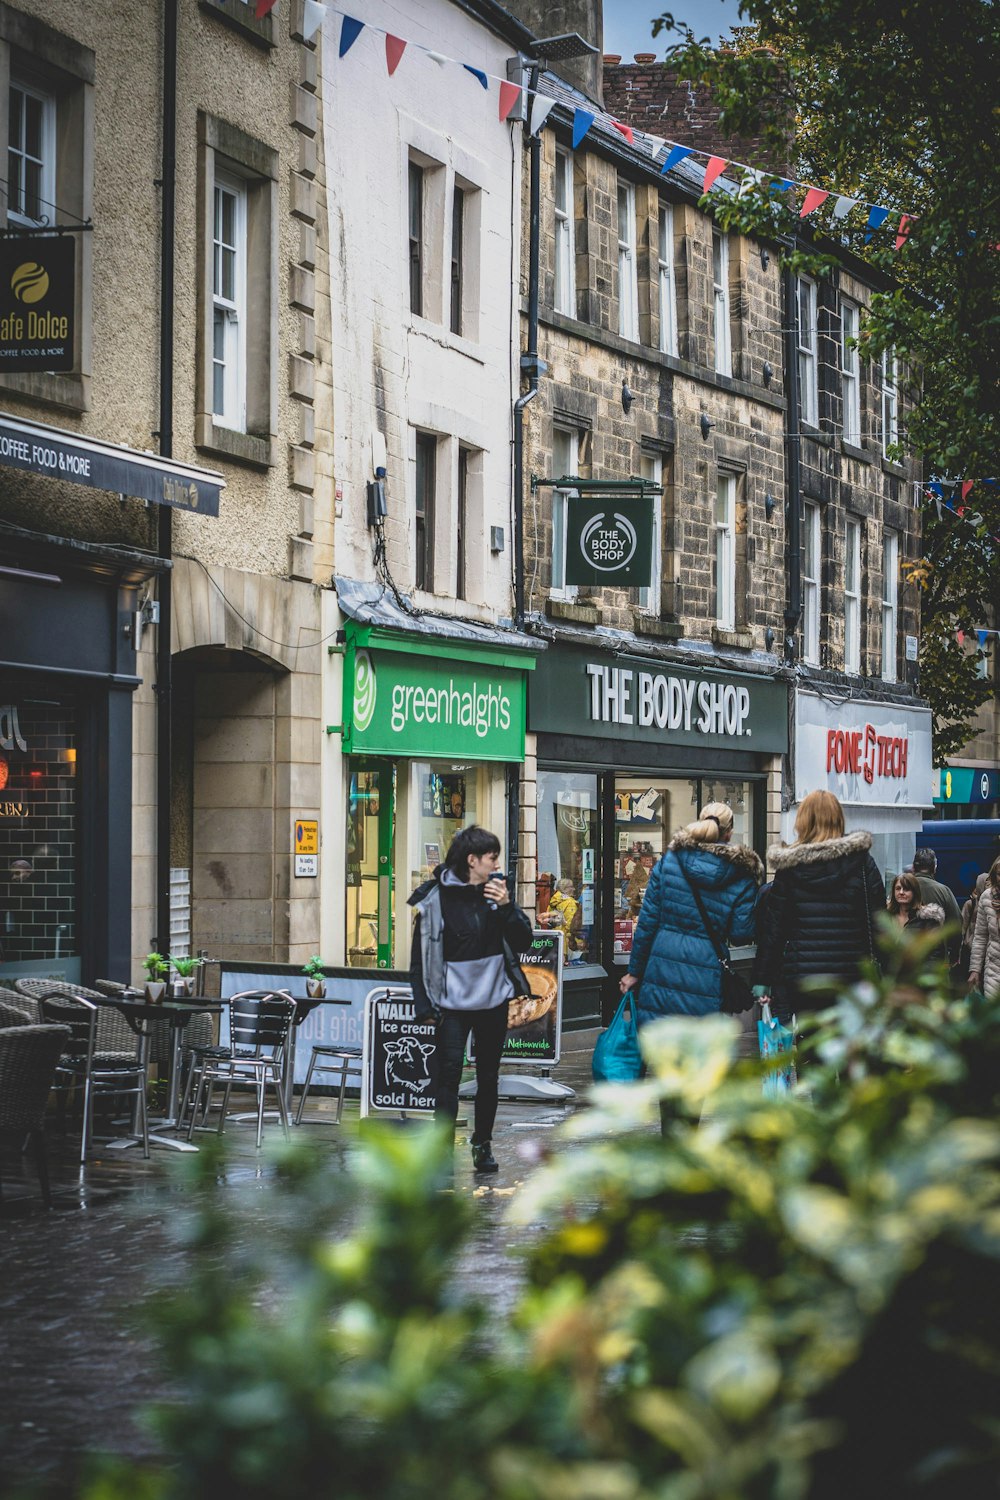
(464, 970)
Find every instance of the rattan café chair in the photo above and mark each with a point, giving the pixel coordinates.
(114, 1036)
(29, 1056)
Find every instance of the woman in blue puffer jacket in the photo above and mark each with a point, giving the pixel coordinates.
(673, 960)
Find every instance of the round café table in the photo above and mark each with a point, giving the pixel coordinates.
(140, 1016)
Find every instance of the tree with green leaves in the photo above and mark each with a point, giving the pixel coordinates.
(894, 103)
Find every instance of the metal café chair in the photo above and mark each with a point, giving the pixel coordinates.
(344, 1055)
(101, 1074)
(29, 1056)
(259, 1023)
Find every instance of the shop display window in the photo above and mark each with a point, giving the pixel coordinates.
(568, 861)
(38, 838)
(444, 798)
(739, 795)
(369, 822)
(648, 811)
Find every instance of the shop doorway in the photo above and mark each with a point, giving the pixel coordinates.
(371, 823)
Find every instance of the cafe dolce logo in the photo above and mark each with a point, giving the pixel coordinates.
(364, 690)
(608, 541)
(30, 282)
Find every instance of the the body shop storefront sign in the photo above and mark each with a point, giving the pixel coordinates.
(635, 699)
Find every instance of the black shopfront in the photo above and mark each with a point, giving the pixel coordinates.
(628, 749)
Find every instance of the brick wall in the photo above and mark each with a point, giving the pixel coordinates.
(38, 837)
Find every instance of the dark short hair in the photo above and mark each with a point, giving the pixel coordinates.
(924, 861)
(469, 841)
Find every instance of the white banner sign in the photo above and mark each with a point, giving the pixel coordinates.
(867, 754)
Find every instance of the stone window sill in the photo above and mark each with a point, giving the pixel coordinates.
(260, 33)
(661, 630)
(225, 442)
(573, 612)
(69, 392)
(739, 640)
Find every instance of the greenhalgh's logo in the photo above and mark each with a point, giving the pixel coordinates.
(364, 690)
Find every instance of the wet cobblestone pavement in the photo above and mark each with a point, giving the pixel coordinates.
(76, 1367)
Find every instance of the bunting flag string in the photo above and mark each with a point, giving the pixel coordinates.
(264, 8)
(540, 106)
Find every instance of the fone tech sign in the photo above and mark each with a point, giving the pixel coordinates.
(609, 541)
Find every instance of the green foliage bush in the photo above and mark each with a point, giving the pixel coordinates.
(786, 1299)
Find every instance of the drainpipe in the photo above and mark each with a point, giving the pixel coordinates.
(530, 364)
(793, 609)
(166, 441)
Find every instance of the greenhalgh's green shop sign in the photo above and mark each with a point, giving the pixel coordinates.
(412, 698)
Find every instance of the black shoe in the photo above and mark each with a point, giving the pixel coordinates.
(483, 1159)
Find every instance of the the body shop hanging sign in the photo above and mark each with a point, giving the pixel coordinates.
(410, 703)
(609, 541)
(37, 302)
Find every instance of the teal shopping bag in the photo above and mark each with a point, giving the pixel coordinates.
(777, 1049)
(617, 1058)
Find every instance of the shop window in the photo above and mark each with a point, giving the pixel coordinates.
(568, 861)
(628, 275)
(851, 373)
(852, 597)
(740, 797)
(651, 467)
(38, 839)
(238, 316)
(811, 600)
(807, 352)
(667, 281)
(565, 267)
(50, 129)
(370, 820)
(565, 463)
(444, 799)
(648, 811)
(720, 304)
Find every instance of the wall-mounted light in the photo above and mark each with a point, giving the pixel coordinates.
(706, 424)
(765, 258)
(768, 639)
(770, 506)
(627, 398)
(767, 372)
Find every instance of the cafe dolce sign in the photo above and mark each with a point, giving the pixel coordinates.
(450, 703)
(631, 698)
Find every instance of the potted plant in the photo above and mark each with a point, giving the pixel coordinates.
(157, 968)
(315, 983)
(185, 970)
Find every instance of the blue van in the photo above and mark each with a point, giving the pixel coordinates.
(965, 848)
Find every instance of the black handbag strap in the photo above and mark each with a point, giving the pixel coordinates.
(721, 948)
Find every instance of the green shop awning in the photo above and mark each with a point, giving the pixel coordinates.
(417, 696)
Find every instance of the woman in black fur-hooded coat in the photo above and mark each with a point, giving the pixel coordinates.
(821, 910)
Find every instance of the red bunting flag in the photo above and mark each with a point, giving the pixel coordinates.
(626, 131)
(960, 637)
(903, 232)
(716, 167)
(394, 49)
(966, 487)
(264, 7)
(510, 93)
(812, 200)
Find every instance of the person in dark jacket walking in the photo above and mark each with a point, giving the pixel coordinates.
(822, 911)
(463, 970)
(673, 960)
(915, 915)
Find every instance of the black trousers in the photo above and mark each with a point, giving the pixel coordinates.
(489, 1027)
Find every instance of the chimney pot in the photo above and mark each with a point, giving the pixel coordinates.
(612, 59)
(645, 57)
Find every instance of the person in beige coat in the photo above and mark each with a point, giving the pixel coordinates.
(984, 960)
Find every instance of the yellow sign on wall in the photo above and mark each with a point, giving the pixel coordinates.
(306, 840)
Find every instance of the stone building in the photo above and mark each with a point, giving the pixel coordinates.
(665, 350)
(188, 385)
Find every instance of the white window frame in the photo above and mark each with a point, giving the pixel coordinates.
(651, 467)
(667, 280)
(852, 596)
(890, 400)
(850, 364)
(890, 604)
(46, 162)
(628, 275)
(565, 442)
(232, 310)
(812, 561)
(720, 304)
(564, 297)
(725, 551)
(808, 349)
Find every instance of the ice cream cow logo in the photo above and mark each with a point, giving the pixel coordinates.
(407, 1064)
(364, 690)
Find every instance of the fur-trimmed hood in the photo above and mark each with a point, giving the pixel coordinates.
(744, 859)
(788, 856)
(932, 912)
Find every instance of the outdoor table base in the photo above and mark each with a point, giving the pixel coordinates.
(140, 1016)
